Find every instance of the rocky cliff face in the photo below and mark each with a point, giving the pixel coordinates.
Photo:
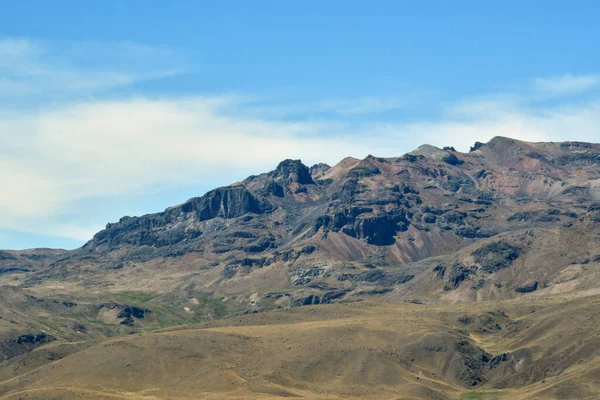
(307, 230)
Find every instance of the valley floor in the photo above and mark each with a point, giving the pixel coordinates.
(531, 348)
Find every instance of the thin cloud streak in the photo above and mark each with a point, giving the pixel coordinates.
(43, 69)
(566, 84)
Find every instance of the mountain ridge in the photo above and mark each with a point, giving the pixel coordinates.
(380, 216)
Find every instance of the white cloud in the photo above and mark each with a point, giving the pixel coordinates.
(566, 84)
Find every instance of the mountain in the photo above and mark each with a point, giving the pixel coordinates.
(378, 222)
(462, 245)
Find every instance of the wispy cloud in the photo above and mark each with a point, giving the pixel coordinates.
(47, 70)
(61, 154)
(371, 106)
(566, 84)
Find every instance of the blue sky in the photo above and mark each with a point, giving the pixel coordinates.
(122, 108)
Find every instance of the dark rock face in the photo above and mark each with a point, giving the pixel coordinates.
(454, 217)
(576, 191)
(375, 292)
(429, 218)
(528, 288)
(313, 299)
(262, 244)
(133, 311)
(38, 339)
(252, 262)
(151, 230)
(308, 249)
(454, 274)
(452, 159)
(474, 232)
(412, 158)
(582, 158)
(290, 177)
(481, 174)
(593, 214)
(484, 323)
(551, 215)
(379, 231)
(329, 297)
(459, 182)
(476, 362)
(310, 300)
(497, 360)
(141, 237)
(6, 256)
(229, 271)
(228, 202)
(292, 171)
(476, 146)
(12, 270)
(273, 188)
(594, 207)
(480, 283)
(22, 344)
(127, 312)
(375, 230)
(496, 256)
(364, 170)
(377, 277)
(437, 211)
(538, 156)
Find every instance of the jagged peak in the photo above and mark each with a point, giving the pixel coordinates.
(321, 165)
(288, 162)
(290, 171)
(318, 170)
(476, 146)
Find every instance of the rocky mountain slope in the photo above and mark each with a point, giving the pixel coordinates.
(379, 223)
(508, 221)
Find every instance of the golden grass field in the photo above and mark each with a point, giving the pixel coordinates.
(365, 350)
